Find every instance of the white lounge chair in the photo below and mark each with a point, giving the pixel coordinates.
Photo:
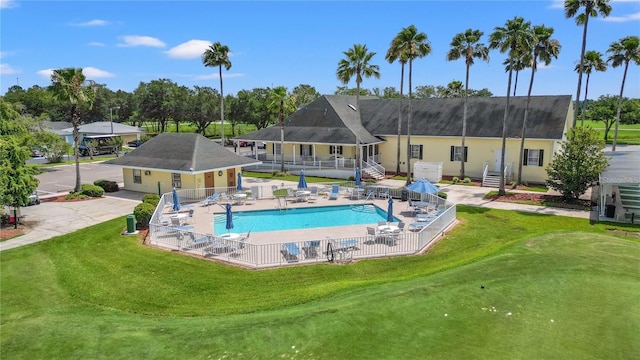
(335, 192)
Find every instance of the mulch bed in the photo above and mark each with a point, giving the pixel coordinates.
(545, 200)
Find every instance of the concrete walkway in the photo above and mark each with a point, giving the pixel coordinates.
(50, 219)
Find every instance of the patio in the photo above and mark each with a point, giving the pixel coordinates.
(265, 249)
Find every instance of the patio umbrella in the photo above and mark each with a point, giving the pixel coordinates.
(176, 200)
(229, 224)
(239, 187)
(423, 187)
(358, 182)
(390, 210)
(302, 182)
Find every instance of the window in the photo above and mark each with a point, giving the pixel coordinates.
(337, 150)
(416, 152)
(533, 157)
(175, 179)
(277, 149)
(306, 150)
(137, 176)
(456, 153)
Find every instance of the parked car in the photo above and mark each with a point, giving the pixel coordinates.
(35, 152)
(262, 145)
(135, 143)
(242, 143)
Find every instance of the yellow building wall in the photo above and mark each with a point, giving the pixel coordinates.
(479, 151)
(150, 179)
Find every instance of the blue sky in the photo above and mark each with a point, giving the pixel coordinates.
(287, 43)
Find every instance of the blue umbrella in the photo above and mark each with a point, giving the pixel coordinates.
(239, 187)
(358, 182)
(423, 187)
(176, 200)
(390, 211)
(302, 182)
(229, 225)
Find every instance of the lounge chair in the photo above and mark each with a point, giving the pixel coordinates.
(210, 200)
(335, 192)
(291, 251)
(216, 246)
(314, 194)
(311, 249)
(194, 241)
(419, 225)
(383, 193)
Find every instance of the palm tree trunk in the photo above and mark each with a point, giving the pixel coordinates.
(399, 119)
(282, 136)
(221, 106)
(501, 190)
(584, 102)
(409, 124)
(358, 160)
(615, 132)
(76, 140)
(464, 121)
(515, 84)
(587, 10)
(524, 121)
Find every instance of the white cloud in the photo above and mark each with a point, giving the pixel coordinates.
(557, 4)
(95, 73)
(8, 4)
(45, 73)
(215, 76)
(95, 43)
(189, 50)
(6, 69)
(137, 40)
(624, 18)
(95, 22)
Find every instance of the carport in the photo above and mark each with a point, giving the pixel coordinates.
(620, 186)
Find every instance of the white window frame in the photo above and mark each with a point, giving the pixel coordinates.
(137, 176)
(416, 151)
(176, 180)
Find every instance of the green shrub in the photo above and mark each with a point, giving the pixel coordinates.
(91, 190)
(107, 185)
(143, 213)
(73, 196)
(152, 199)
(467, 180)
(442, 194)
(455, 179)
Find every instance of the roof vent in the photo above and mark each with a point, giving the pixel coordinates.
(352, 107)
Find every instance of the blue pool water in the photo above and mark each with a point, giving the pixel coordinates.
(301, 218)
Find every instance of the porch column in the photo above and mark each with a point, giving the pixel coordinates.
(293, 151)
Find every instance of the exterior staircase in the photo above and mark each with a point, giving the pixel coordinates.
(630, 198)
(492, 179)
(374, 173)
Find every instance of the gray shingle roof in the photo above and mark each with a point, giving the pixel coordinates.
(191, 153)
(331, 120)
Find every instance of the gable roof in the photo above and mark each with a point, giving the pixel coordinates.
(331, 120)
(182, 153)
(443, 116)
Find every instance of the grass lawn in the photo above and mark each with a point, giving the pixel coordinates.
(501, 285)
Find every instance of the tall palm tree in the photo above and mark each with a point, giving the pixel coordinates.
(357, 62)
(623, 51)
(592, 61)
(467, 45)
(591, 9)
(218, 55)
(71, 86)
(512, 38)
(542, 47)
(281, 102)
(413, 45)
(393, 54)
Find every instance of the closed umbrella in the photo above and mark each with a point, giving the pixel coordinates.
(176, 200)
(302, 182)
(358, 181)
(423, 187)
(229, 224)
(390, 210)
(239, 187)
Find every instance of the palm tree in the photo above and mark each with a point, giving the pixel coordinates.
(357, 62)
(543, 48)
(623, 51)
(519, 63)
(592, 61)
(279, 101)
(467, 45)
(71, 86)
(413, 45)
(591, 9)
(394, 54)
(218, 55)
(512, 38)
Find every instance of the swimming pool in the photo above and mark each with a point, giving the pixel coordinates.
(301, 218)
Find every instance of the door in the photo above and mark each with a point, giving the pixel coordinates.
(497, 157)
(231, 177)
(209, 183)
